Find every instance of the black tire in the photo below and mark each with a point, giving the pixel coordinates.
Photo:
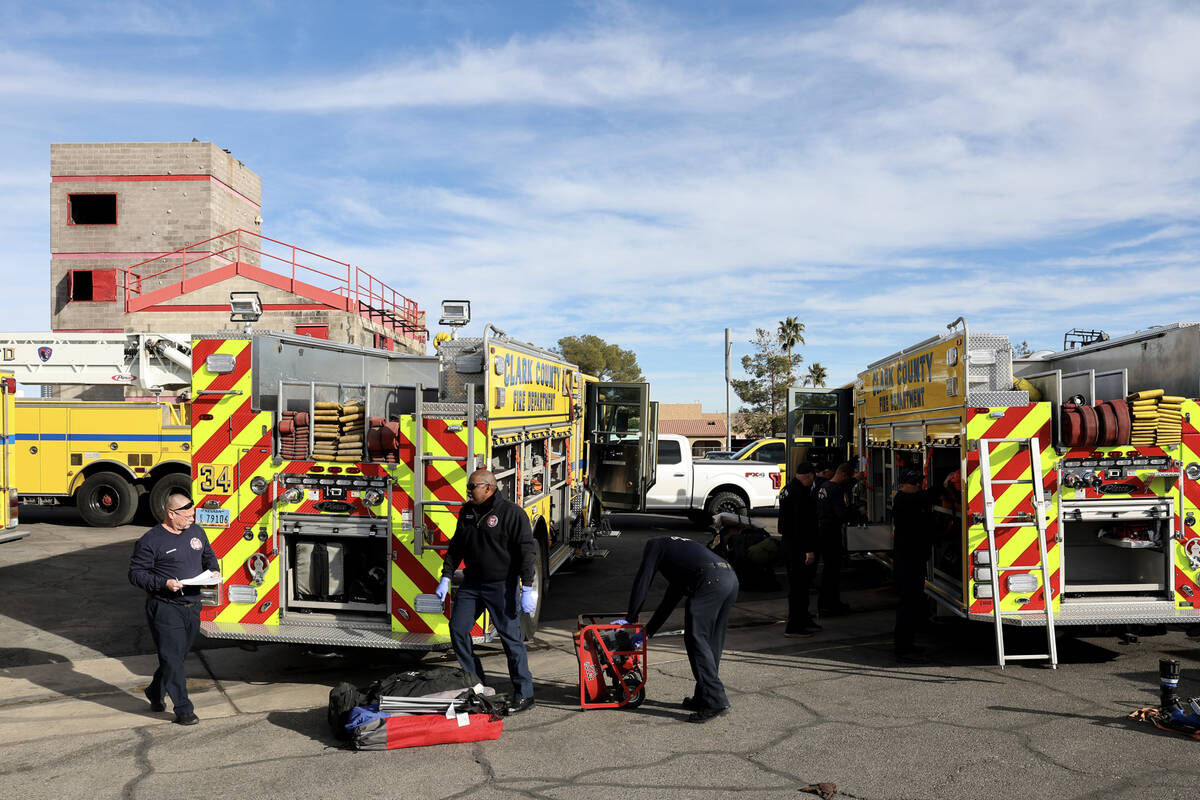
(633, 679)
(164, 486)
(726, 502)
(106, 500)
(529, 622)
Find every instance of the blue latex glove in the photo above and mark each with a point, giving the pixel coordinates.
(621, 621)
(528, 600)
(443, 589)
(636, 640)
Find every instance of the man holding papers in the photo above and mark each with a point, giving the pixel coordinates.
(173, 550)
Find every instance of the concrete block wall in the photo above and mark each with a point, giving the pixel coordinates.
(169, 195)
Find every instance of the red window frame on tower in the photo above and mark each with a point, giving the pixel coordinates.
(103, 285)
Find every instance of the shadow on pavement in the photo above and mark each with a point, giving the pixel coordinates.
(71, 683)
(1100, 720)
(50, 515)
(313, 723)
(82, 595)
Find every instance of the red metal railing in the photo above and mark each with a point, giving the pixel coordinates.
(325, 280)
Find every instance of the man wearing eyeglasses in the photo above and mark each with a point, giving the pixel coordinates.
(494, 544)
(171, 551)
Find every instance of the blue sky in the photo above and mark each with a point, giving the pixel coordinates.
(654, 173)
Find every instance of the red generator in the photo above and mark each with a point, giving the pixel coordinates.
(612, 670)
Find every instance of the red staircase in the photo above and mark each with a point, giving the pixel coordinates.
(325, 281)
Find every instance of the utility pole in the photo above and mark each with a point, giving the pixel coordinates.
(728, 413)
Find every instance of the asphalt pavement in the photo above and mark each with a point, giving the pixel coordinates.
(75, 656)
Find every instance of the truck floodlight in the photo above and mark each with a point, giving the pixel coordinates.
(245, 307)
(455, 313)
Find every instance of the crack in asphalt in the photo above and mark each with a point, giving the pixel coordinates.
(141, 761)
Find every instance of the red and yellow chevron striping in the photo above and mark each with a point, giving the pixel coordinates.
(445, 482)
(1012, 502)
(1187, 549)
(231, 444)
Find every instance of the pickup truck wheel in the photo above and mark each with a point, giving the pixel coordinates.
(106, 500)
(727, 502)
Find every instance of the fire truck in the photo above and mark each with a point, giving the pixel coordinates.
(329, 477)
(9, 532)
(102, 456)
(1072, 493)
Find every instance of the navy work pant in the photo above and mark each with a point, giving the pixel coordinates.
(500, 600)
(706, 614)
(832, 555)
(909, 575)
(800, 578)
(174, 627)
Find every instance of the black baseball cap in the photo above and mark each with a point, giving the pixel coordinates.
(805, 468)
(911, 476)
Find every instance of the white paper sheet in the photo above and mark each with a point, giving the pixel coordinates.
(205, 578)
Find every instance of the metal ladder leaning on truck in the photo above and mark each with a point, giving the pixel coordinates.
(328, 477)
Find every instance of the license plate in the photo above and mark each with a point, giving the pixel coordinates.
(212, 517)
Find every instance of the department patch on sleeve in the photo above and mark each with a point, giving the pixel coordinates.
(196, 544)
(492, 520)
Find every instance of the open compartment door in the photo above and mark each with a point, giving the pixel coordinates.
(622, 429)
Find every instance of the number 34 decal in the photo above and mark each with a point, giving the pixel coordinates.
(216, 478)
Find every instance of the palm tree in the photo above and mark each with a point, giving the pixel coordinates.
(791, 333)
(816, 374)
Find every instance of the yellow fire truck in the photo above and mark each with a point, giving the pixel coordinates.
(1074, 474)
(329, 477)
(9, 531)
(102, 456)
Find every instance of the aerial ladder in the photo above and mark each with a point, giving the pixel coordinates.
(104, 456)
(155, 363)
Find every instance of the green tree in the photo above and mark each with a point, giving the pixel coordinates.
(791, 333)
(816, 375)
(764, 393)
(608, 362)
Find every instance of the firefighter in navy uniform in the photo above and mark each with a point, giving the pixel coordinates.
(711, 587)
(912, 540)
(494, 542)
(173, 550)
(798, 528)
(833, 511)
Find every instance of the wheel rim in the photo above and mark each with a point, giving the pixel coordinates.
(731, 506)
(105, 500)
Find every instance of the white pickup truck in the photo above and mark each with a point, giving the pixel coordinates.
(703, 487)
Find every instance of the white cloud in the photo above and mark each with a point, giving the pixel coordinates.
(652, 180)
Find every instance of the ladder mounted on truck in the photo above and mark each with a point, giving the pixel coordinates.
(992, 523)
(422, 535)
(150, 361)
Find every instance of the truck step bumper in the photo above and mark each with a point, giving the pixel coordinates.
(333, 635)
